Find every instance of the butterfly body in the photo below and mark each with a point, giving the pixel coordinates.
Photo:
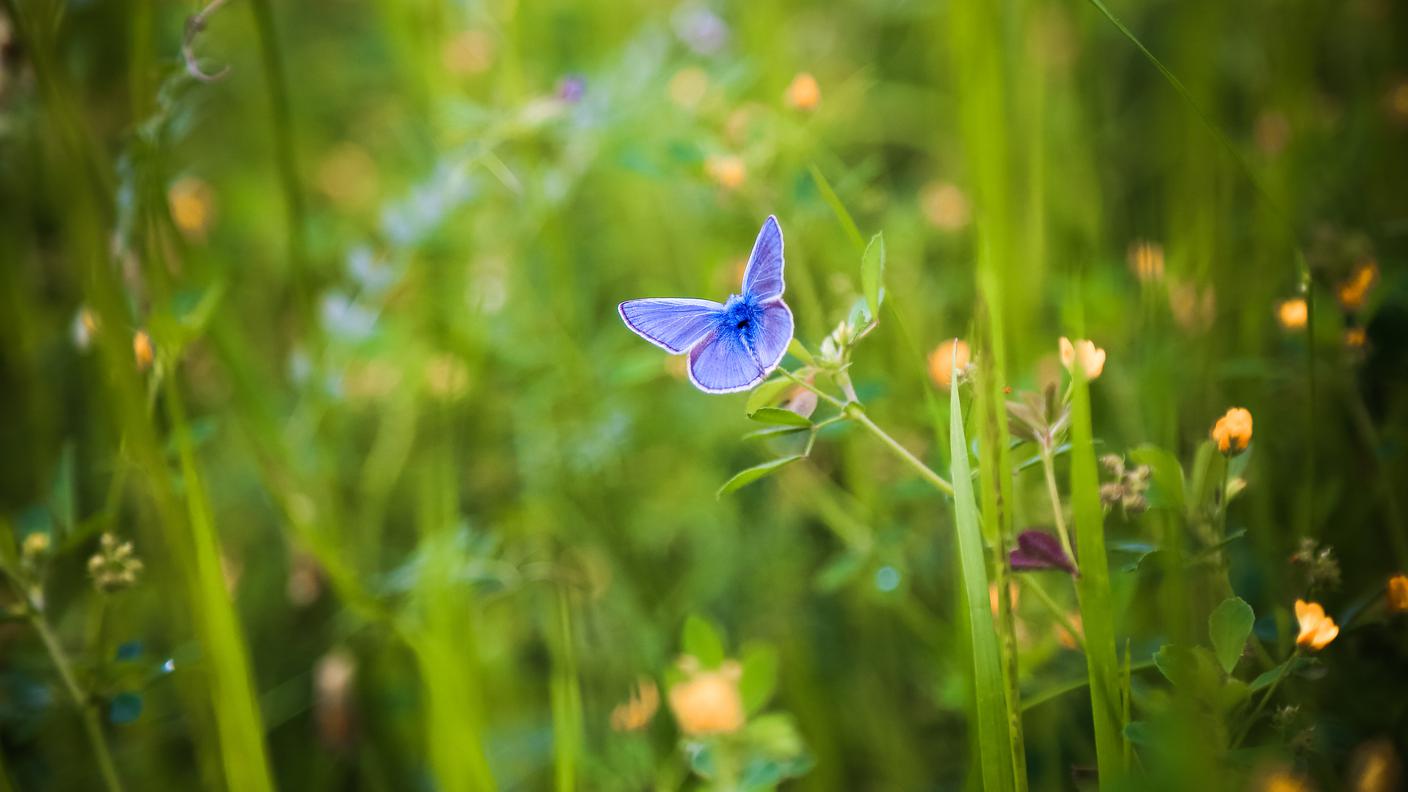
(732, 346)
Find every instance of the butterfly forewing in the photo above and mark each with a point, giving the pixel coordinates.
(673, 324)
(762, 279)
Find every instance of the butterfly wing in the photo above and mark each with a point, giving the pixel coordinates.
(722, 363)
(772, 332)
(674, 325)
(762, 279)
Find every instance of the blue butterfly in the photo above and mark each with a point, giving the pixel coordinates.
(731, 346)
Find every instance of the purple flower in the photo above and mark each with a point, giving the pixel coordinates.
(571, 88)
(1038, 550)
(700, 29)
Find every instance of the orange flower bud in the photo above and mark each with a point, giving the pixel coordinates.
(1292, 314)
(1316, 629)
(727, 170)
(1355, 290)
(143, 350)
(1398, 593)
(636, 712)
(709, 702)
(1233, 431)
(804, 93)
(942, 361)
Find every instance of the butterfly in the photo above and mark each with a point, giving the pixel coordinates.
(732, 346)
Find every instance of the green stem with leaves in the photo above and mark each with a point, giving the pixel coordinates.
(1048, 466)
(1261, 705)
(91, 727)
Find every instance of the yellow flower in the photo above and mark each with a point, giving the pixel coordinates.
(688, 87)
(1316, 629)
(1355, 337)
(1282, 781)
(727, 170)
(1354, 291)
(1398, 593)
(143, 350)
(708, 702)
(192, 204)
(1233, 431)
(635, 713)
(35, 545)
(1292, 314)
(1146, 259)
(804, 93)
(468, 53)
(944, 205)
(1375, 767)
(1092, 358)
(942, 360)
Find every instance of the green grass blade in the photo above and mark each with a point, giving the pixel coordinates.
(990, 695)
(1093, 588)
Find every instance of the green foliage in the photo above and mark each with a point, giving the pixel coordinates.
(1228, 627)
(404, 505)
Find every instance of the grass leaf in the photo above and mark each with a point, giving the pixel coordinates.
(990, 691)
(872, 273)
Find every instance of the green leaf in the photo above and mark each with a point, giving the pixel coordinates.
(799, 351)
(779, 417)
(990, 690)
(1165, 477)
(839, 571)
(767, 394)
(774, 432)
(759, 678)
(702, 641)
(872, 273)
(1093, 590)
(745, 477)
(1229, 625)
(1295, 663)
(1209, 467)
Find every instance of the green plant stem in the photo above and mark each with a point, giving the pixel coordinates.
(1048, 466)
(91, 727)
(1029, 582)
(1261, 705)
(855, 413)
(823, 395)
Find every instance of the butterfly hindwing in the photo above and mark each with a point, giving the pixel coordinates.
(772, 332)
(673, 324)
(722, 363)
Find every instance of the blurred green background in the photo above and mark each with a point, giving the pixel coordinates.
(416, 511)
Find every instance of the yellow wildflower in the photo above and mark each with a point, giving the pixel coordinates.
(1146, 260)
(1316, 629)
(192, 204)
(1233, 431)
(944, 205)
(1092, 358)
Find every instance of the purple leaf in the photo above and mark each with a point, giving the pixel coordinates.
(1037, 550)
